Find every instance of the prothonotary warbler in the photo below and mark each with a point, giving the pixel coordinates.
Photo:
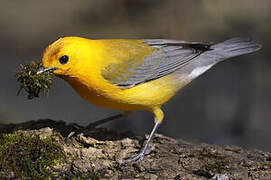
(130, 75)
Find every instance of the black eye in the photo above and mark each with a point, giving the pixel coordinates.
(64, 59)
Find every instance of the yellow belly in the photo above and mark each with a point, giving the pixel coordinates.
(145, 96)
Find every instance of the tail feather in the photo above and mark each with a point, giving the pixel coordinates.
(216, 53)
(234, 47)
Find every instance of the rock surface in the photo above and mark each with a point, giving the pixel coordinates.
(98, 154)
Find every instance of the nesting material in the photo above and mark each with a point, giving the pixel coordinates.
(32, 82)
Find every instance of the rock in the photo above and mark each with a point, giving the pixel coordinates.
(97, 154)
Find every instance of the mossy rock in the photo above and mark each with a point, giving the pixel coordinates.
(99, 153)
(28, 156)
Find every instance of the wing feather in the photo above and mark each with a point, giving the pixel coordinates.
(167, 57)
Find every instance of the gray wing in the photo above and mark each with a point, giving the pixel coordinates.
(176, 56)
(170, 56)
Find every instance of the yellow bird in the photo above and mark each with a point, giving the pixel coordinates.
(130, 75)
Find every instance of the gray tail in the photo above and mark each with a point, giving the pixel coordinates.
(233, 47)
(216, 53)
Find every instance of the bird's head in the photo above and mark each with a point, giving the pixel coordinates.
(64, 56)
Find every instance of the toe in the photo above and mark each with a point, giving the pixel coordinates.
(134, 158)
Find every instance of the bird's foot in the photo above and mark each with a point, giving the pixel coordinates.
(135, 158)
(68, 138)
(92, 125)
(76, 128)
(138, 157)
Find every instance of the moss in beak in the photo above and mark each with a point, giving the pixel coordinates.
(33, 81)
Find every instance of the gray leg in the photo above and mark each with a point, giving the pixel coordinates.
(97, 123)
(142, 152)
(102, 121)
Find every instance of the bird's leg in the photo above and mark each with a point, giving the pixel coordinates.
(102, 121)
(143, 150)
(98, 123)
(159, 116)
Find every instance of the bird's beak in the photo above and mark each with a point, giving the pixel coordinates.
(43, 69)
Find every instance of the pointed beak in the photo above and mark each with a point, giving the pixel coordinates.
(43, 69)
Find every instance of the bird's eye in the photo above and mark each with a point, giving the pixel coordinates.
(64, 59)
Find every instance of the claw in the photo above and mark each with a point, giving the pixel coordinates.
(68, 139)
(138, 157)
(135, 158)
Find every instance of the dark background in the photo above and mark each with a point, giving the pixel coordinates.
(230, 104)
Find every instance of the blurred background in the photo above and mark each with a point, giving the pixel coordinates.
(230, 104)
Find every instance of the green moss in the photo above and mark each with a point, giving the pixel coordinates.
(25, 157)
(32, 82)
